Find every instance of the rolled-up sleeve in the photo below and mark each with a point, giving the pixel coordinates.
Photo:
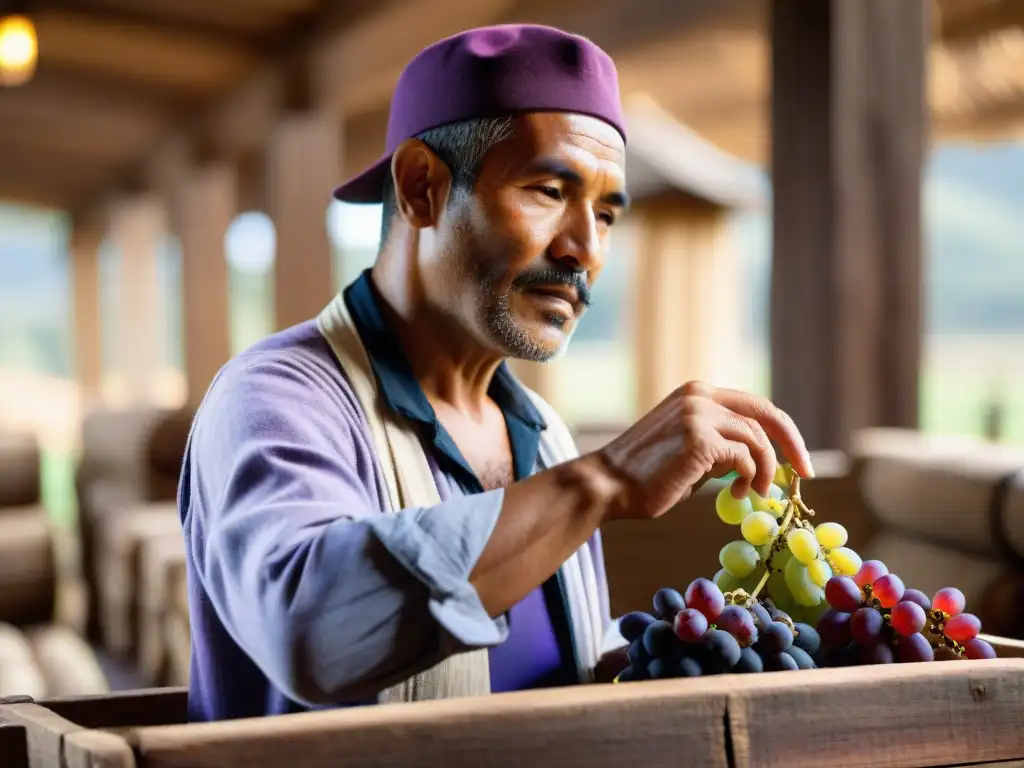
(331, 598)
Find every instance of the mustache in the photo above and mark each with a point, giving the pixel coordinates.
(552, 275)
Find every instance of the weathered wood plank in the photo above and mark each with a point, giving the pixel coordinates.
(936, 714)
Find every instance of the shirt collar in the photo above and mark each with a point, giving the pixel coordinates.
(399, 388)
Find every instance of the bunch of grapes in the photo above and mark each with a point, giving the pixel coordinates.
(706, 632)
(874, 619)
(797, 557)
(791, 595)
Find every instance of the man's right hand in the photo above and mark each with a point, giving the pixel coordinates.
(696, 432)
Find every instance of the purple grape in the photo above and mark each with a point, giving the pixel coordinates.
(976, 648)
(660, 669)
(690, 625)
(637, 655)
(775, 638)
(667, 603)
(866, 626)
(801, 657)
(779, 662)
(689, 667)
(749, 662)
(807, 638)
(632, 625)
(660, 640)
(725, 651)
(916, 596)
(834, 629)
(761, 616)
(914, 648)
(878, 653)
(739, 623)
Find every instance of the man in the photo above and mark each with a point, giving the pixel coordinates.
(322, 572)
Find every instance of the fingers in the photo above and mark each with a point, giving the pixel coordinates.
(747, 431)
(775, 422)
(736, 455)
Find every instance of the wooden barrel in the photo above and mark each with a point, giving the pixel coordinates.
(959, 492)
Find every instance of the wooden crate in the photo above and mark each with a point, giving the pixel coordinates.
(900, 715)
(13, 746)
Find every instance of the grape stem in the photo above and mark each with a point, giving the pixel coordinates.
(791, 508)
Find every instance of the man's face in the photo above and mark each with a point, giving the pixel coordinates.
(519, 254)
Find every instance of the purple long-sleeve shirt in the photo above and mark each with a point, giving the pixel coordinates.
(303, 590)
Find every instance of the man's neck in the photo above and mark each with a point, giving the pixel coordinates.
(450, 366)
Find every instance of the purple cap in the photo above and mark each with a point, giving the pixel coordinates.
(492, 72)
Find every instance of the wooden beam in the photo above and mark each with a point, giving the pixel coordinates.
(848, 128)
(965, 23)
(254, 23)
(141, 52)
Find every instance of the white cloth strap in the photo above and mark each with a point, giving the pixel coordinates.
(409, 483)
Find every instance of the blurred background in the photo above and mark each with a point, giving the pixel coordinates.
(829, 204)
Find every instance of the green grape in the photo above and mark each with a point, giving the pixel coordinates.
(820, 572)
(779, 591)
(783, 475)
(844, 561)
(739, 558)
(730, 509)
(831, 535)
(803, 590)
(725, 581)
(759, 528)
(803, 545)
(774, 503)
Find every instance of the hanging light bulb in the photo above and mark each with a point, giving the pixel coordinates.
(19, 50)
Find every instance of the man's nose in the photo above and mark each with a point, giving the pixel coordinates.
(578, 243)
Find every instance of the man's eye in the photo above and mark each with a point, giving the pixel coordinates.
(553, 192)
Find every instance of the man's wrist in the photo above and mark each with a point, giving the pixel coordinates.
(603, 492)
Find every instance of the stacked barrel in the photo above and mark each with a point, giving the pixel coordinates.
(40, 653)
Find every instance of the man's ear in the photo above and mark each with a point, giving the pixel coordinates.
(422, 182)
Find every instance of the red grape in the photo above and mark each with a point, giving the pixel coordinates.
(866, 626)
(963, 627)
(690, 625)
(834, 628)
(876, 653)
(908, 618)
(976, 648)
(706, 597)
(888, 589)
(870, 571)
(843, 594)
(916, 596)
(950, 601)
(914, 648)
(739, 623)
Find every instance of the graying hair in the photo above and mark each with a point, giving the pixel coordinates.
(462, 147)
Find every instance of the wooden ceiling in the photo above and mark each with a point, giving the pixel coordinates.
(125, 88)
(115, 76)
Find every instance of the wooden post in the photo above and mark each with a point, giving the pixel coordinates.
(687, 302)
(207, 203)
(87, 328)
(138, 229)
(848, 135)
(303, 166)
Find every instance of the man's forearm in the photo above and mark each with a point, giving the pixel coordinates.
(543, 520)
